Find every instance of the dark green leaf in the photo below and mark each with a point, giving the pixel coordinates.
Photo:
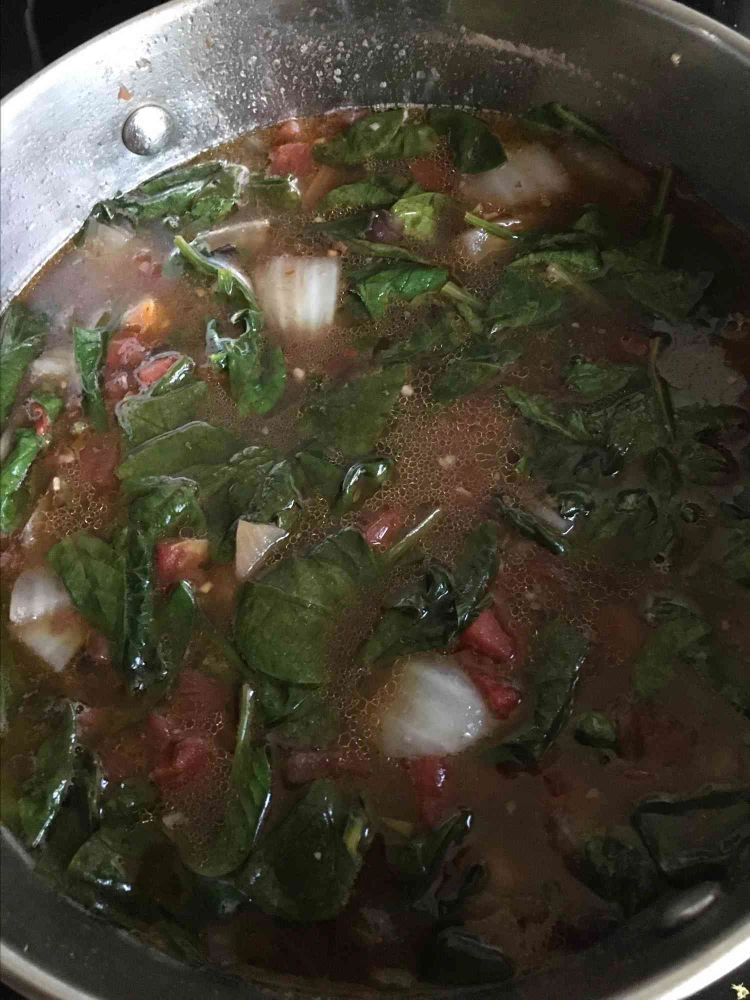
(13, 498)
(203, 194)
(23, 334)
(362, 480)
(561, 118)
(383, 135)
(196, 443)
(304, 869)
(568, 421)
(665, 292)
(54, 764)
(178, 375)
(352, 417)
(695, 838)
(285, 619)
(617, 868)
(524, 298)
(734, 553)
(174, 628)
(89, 347)
(441, 333)
(371, 193)
(246, 803)
(575, 253)
(382, 285)
(595, 729)
(312, 722)
(529, 525)
(671, 642)
(453, 957)
(257, 370)
(474, 146)
(280, 194)
(557, 655)
(146, 415)
(704, 464)
(420, 860)
(94, 574)
(478, 363)
(597, 381)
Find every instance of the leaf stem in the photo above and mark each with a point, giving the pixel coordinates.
(411, 538)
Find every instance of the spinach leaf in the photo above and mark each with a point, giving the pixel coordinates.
(148, 415)
(474, 146)
(375, 192)
(285, 618)
(246, 803)
(420, 860)
(665, 292)
(196, 443)
(161, 508)
(304, 869)
(595, 729)
(381, 285)
(575, 252)
(420, 213)
(616, 867)
(94, 575)
(561, 118)
(480, 361)
(705, 464)
(362, 480)
(173, 625)
(636, 524)
(697, 837)
(557, 655)
(440, 333)
(54, 764)
(352, 417)
(634, 425)
(177, 376)
(10, 690)
(202, 194)
(89, 347)
(453, 957)
(13, 498)
(312, 722)
(525, 298)
(383, 135)
(570, 422)
(257, 370)
(529, 525)
(432, 612)
(280, 194)
(655, 663)
(660, 388)
(595, 382)
(23, 334)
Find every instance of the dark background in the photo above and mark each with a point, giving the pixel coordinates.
(33, 33)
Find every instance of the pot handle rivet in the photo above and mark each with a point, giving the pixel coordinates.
(689, 904)
(147, 130)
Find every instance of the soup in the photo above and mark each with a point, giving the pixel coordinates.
(376, 544)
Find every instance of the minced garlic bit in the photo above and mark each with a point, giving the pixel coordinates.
(56, 484)
(299, 374)
(407, 391)
(447, 461)
(206, 588)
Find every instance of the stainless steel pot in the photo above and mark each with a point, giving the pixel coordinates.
(670, 84)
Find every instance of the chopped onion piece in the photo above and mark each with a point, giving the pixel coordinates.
(250, 235)
(550, 516)
(299, 294)
(37, 593)
(254, 542)
(6, 442)
(57, 365)
(55, 639)
(102, 238)
(476, 245)
(530, 174)
(436, 709)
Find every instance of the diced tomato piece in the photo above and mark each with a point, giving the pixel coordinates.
(180, 559)
(152, 370)
(187, 761)
(434, 175)
(428, 775)
(385, 529)
(501, 698)
(92, 723)
(199, 698)
(118, 385)
(649, 735)
(292, 158)
(98, 460)
(487, 636)
(307, 765)
(125, 351)
(39, 417)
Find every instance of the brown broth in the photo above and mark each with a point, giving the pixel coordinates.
(455, 457)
